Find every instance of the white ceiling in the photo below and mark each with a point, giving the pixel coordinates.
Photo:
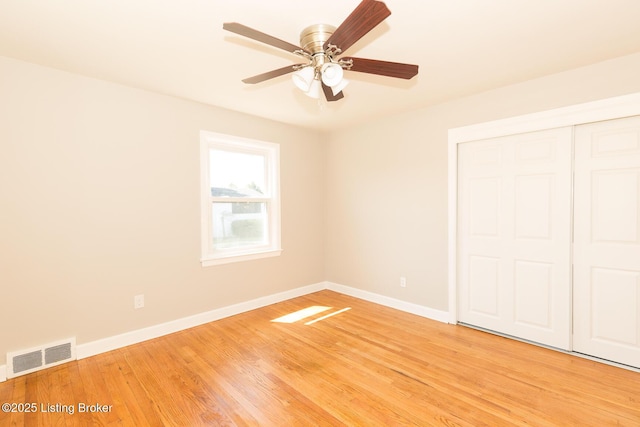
(178, 47)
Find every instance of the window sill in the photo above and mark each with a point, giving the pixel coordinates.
(227, 259)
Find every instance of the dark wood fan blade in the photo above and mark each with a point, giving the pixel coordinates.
(383, 68)
(328, 93)
(363, 19)
(270, 74)
(243, 30)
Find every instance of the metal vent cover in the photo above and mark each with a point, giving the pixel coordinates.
(34, 359)
(57, 353)
(27, 361)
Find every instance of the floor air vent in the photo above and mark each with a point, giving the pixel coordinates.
(34, 359)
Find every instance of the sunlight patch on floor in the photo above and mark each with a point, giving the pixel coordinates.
(301, 314)
(328, 315)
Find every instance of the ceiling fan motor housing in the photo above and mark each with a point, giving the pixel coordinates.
(314, 36)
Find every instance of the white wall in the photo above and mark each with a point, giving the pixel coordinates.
(100, 202)
(387, 181)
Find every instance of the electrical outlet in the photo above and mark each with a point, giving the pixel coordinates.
(403, 282)
(138, 301)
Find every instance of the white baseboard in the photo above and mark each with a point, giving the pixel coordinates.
(118, 341)
(111, 343)
(419, 310)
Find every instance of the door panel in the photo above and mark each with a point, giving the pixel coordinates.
(484, 200)
(607, 245)
(532, 293)
(483, 289)
(614, 288)
(615, 206)
(514, 203)
(533, 206)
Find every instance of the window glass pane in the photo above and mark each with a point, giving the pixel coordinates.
(237, 225)
(236, 174)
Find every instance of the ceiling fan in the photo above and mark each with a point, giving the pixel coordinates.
(322, 45)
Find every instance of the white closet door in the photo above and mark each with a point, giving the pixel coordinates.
(514, 231)
(607, 240)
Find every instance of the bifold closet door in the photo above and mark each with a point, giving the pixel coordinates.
(514, 235)
(607, 240)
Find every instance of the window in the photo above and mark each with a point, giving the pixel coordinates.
(240, 198)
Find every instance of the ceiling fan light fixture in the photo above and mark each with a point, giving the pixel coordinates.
(331, 74)
(339, 87)
(303, 78)
(314, 89)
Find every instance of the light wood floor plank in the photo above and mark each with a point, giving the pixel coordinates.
(366, 366)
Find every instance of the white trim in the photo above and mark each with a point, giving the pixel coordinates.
(595, 111)
(133, 337)
(206, 262)
(111, 343)
(453, 230)
(128, 338)
(605, 109)
(408, 307)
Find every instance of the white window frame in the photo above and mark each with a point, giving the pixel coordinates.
(211, 256)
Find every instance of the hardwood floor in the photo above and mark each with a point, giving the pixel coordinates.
(366, 366)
